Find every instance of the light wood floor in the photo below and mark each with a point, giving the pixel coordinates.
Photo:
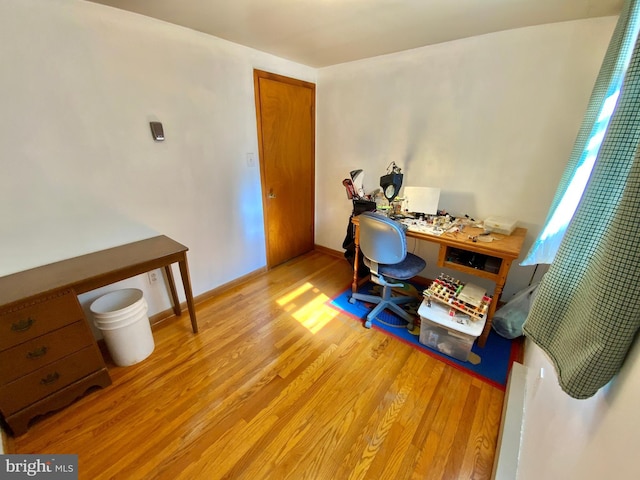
(278, 385)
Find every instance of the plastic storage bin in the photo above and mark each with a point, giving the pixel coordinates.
(122, 318)
(442, 332)
(502, 225)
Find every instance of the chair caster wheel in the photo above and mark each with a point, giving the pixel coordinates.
(352, 300)
(367, 324)
(410, 326)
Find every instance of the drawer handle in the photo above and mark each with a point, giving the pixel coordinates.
(49, 379)
(38, 352)
(22, 325)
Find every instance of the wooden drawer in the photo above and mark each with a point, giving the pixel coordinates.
(48, 379)
(35, 318)
(29, 356)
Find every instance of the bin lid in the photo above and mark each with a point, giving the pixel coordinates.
(116, 301)
(439, 313)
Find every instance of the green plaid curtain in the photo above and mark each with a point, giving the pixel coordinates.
(587, 144)
(587, 309)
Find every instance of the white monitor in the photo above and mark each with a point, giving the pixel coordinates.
(421, 200)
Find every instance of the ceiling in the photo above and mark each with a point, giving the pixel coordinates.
(319, 33)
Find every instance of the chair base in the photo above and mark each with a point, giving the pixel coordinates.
(386, 301)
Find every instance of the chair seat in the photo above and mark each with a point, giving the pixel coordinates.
(408, 268)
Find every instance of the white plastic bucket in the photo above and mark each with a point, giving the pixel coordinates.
(121, 316)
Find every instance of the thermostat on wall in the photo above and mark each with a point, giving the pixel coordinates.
(157, 131)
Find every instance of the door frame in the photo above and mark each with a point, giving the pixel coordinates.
(257, 75)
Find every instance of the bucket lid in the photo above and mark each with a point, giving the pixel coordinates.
(116, 300)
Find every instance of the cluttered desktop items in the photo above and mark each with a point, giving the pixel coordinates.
(390, 183)
(418, 207)
(415, 200)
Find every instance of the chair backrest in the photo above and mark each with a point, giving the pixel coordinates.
(382, 240)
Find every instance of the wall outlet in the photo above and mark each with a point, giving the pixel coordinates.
(251, 159)
(153, 276)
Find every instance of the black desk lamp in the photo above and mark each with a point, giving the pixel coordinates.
(391, 182)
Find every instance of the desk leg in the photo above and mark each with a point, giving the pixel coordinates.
(356, 242)
(186, 282)
(497, 292)
(172, 289)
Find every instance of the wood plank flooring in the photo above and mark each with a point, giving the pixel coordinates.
(278, 385)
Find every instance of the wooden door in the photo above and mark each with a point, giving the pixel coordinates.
(285, 110)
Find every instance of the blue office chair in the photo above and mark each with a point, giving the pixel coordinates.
(384, 246)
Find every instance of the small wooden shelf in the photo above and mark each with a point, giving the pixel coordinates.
(473, 263)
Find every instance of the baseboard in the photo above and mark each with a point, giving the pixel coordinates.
(329, 251)
(505, 464)
(168, 313)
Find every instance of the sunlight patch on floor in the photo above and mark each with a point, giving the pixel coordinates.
(314, 314)
(290, 297)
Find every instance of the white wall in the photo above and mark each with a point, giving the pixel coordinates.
(80, 172)
(565, 439)
(491, 120)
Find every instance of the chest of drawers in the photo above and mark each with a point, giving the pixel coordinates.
(48, 357)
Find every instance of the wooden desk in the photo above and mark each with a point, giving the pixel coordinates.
(48, 355)
(454, 247)
(94, 270)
